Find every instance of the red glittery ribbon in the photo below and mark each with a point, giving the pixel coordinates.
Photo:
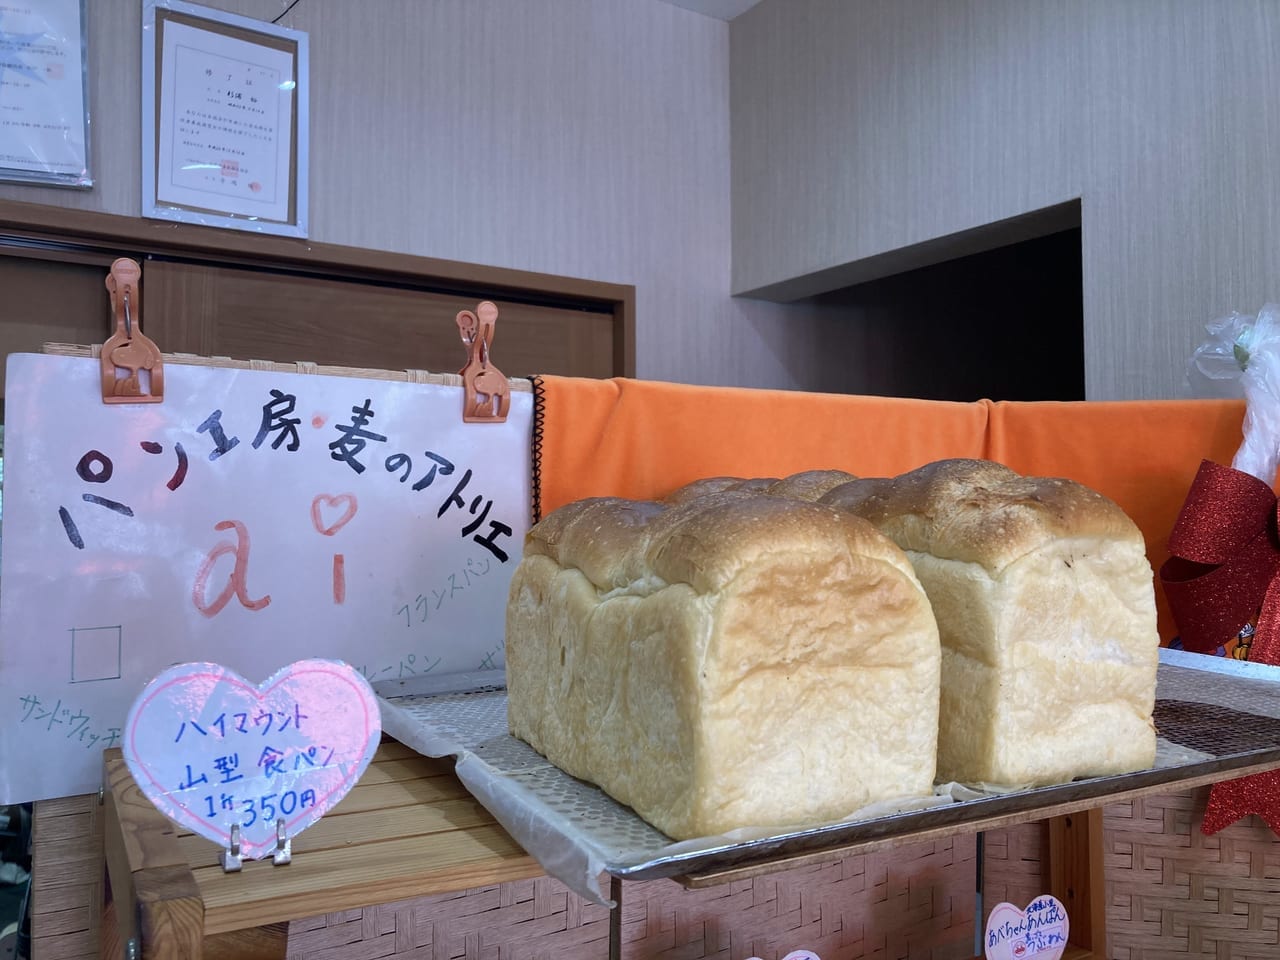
(1226, 556)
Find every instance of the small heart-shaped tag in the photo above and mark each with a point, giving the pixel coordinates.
(1036, 933)
(212, 750)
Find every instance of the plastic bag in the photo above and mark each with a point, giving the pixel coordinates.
(1242, 358)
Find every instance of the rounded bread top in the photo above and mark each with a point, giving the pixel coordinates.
(604, 537)
(704, 542)
(809, 485)
(700, 488)
(980, 511)
(707, 542)
(806, 485)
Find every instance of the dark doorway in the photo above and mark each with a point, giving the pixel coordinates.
(1004, 324)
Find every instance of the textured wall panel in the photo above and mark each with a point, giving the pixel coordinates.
(587, 138)
(864, 126)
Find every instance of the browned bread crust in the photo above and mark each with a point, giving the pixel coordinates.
(725, 660)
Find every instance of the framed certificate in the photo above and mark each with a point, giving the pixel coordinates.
(224, 120)
(44, 114)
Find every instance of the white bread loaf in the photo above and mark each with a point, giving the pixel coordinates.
(809, 485)
(724, 660)
(1045, 603)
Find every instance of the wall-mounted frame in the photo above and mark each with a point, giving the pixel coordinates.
(224, 120)
(44, 94)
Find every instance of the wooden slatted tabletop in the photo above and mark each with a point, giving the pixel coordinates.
(408, 828)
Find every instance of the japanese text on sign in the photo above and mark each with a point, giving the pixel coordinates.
(254, 517)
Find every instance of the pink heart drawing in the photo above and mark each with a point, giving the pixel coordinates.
(1036, 933)
(345, 501)
(212, 750)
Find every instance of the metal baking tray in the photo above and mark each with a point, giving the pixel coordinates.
(1213, 716)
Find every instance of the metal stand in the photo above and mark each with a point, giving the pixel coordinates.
(231, 859)
(615, 919)
(979, 908)
(283, 852)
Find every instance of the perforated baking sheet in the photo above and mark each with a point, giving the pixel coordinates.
(1212, 715)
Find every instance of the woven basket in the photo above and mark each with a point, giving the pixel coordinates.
(916, 901)
(1173, 892)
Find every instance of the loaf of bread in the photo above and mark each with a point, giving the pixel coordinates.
(725, 659)
(1045, 604)
(810, 485)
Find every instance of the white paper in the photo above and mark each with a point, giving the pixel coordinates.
(1037, 933)
(225, 118)
(250, 557)
(214, 751)
(42, 108)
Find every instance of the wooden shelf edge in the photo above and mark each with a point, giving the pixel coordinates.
(95, 229)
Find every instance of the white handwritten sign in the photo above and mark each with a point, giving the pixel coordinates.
(1037, 933)
(251, 519)
(212, 750)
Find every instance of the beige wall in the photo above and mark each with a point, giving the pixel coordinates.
(592, 138)
(580, 137)
(860, 127)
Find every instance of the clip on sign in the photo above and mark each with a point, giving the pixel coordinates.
(486, 390)
(132, 366)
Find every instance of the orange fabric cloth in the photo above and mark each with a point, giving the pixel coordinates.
(1141, 454)
(641, 439)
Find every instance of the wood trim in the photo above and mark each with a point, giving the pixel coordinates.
(45, 227)
(94, 351)
(89, 257)
(624, 340)
(1076, 876)
(152, 888)
(170, 910)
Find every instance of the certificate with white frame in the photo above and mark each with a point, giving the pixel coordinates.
(224, 120)
(44, 115)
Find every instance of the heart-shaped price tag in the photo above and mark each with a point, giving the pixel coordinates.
(212, 750)
(1036, 933)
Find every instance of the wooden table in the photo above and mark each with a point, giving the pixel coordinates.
(407, 829)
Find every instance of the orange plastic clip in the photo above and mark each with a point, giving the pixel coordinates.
(486, 392)
(128, 351)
